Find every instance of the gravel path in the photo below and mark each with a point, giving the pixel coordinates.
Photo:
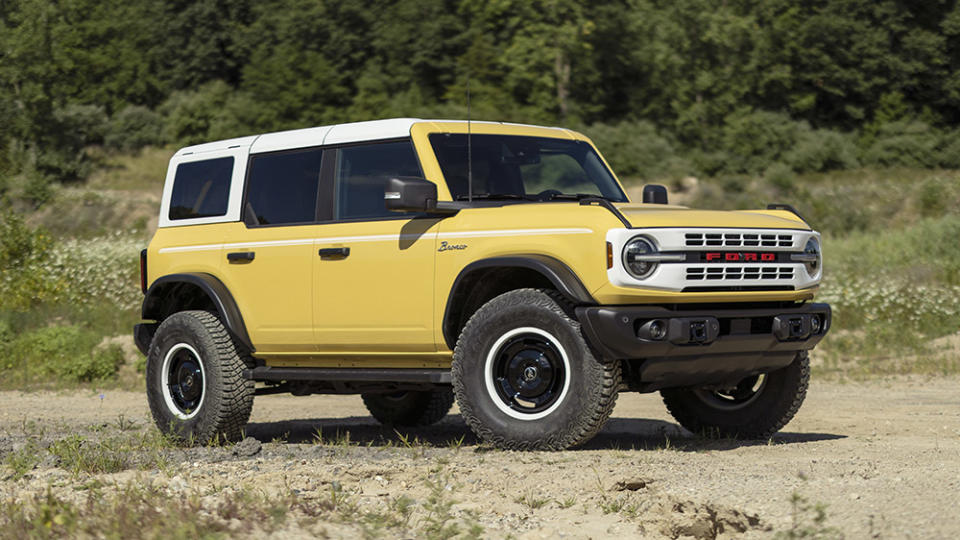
(883, 456)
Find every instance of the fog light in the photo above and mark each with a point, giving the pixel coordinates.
(815, 324)
(658, 330)
(655, 330)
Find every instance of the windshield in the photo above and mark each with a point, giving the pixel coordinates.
(532, 168)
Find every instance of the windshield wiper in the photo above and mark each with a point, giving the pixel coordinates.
(496, 196)
(575, 196)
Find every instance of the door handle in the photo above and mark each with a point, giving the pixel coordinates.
(240, 256)
(334, 253)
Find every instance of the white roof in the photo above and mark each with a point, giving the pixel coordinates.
(371, 130)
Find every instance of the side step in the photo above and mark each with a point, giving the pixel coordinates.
(388, 375)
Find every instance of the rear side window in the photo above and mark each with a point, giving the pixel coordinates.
(201, 189)
(282, 188)
(362, 174)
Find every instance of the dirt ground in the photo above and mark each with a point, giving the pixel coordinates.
(882, 456)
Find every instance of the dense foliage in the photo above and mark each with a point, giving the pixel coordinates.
(671, 87)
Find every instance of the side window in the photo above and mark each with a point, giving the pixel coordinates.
(361, 175)
(282, 188)
(201, 189)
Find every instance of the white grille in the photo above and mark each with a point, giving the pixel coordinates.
(738, 273)
(709, 239)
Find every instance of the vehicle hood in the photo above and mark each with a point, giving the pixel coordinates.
(658, 215)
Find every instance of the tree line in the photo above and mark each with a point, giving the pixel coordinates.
(666, 87)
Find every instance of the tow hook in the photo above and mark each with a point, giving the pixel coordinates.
(797, 327)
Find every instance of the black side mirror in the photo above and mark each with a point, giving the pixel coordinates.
(654, 194)
(410, 194)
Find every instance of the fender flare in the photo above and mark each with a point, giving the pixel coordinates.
(558, 273)
(216, 291)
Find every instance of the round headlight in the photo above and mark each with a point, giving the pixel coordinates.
(633, 255)
(812, 265)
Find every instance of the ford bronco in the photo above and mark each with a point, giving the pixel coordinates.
(418, 262)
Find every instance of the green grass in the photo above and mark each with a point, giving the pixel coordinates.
(894, 293)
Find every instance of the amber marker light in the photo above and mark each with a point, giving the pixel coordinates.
(609, 255)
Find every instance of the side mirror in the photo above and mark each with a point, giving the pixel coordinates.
(654, 194)
(410, 194)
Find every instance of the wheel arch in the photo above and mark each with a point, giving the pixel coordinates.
(179, 292)
(484, 279)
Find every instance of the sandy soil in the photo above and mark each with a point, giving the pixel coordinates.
(883, 456)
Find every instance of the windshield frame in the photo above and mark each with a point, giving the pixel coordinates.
(598, 174)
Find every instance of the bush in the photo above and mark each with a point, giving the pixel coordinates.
(19, 244)
(636, 149)
(906, 143)
(58, 354)
(133, 128)
(208, 113)
(822, 150)
(99, 365)
(61, 155)
(754, 140)
(781, 176)
(23, 279)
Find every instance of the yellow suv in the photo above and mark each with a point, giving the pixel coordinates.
(417, 261)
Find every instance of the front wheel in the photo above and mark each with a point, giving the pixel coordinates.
(195, 384)
(525, 378)
(755, 408)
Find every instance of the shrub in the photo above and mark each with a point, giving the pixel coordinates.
(99, 365)
(61, 155)
(822, 150)
(133, 128)
(636, 149)
(23, 279)
(19, 244)
(906, 143)
(64, 354)
(191, 117)
(753, 140)
(781, 176)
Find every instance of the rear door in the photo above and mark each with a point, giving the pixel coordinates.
(269, 256)
(373, 281)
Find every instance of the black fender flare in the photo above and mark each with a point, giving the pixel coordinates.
(558, 273)
(216, 291)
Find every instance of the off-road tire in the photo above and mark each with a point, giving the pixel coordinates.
(227, 398)
(574, 416)
(409, 409)
(775, 404)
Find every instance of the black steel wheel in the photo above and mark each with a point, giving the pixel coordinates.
(195, 384)
(755, 408)
(408, 409)
(528, 370)
(526, 379)
(182, 385)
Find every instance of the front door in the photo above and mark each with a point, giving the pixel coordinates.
(373, 280)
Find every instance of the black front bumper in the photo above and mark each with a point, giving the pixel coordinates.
(667, 348)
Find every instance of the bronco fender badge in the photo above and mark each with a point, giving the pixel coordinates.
(444, 246)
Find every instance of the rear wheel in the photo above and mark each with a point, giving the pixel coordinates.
(755, 408)
(195, 384)
(417, 408)
(525, 378)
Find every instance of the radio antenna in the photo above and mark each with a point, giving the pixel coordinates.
(469, 147)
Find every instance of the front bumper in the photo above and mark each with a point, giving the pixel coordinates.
(667, 348)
